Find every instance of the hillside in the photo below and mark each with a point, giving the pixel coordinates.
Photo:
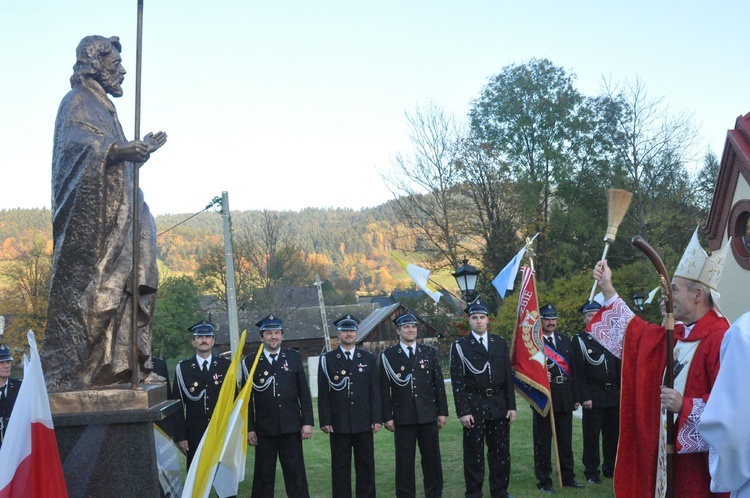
(351, 246)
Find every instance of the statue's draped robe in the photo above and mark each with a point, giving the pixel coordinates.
(642, 347)
(88, 337)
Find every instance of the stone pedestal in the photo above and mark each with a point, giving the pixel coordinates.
(106, 439)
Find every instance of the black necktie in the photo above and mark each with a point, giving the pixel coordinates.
(411, 352)
(549, 341)
(481, 341)
(273, 358)
(205, 366)
(2, 391)
(348, 355)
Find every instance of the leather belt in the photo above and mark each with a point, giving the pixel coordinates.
(610, 386)
(489, 392)
(558, 379)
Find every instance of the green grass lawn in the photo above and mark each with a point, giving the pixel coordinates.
(522, 481)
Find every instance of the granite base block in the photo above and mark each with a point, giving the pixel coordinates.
(111, 453)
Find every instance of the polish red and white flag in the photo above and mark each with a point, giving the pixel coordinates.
(30, 459)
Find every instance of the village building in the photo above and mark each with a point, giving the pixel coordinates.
(729, 217)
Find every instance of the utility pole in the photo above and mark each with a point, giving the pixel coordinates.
(323, 317)
(234, 335)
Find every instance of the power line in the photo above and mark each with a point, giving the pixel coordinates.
(216, 200)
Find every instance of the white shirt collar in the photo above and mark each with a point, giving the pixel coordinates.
(483, 337)
(404, 347)
(268, 355)
(201, 360)
(351, 351)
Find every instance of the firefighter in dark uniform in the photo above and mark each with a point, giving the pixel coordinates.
(197, 384)
(414, 407)
(8, 389)
(561, 372)
(280, 414)
(485, 403)
(349, 411)
(598, 390)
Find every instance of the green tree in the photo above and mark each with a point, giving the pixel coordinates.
(177, 308)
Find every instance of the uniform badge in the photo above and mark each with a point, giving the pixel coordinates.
(590, 351)
(262, 381)
(343, 372)
(402, 368)
(265, 373)
(192, 389)
(216, 382)
(422, 366)
(398, 374)
(335, 377)
(195, 384)
(360, 369)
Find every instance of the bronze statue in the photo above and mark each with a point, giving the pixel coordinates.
(89, 320)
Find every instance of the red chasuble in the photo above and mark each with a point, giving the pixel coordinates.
(643, 362)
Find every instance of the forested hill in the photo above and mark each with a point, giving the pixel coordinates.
(332, 232)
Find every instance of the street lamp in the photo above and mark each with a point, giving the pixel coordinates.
(638, 298)
(466, 278)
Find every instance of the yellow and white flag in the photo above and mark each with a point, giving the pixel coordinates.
(220, 457)
(421, 276)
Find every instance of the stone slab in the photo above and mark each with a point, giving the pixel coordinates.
(111, 453)
(108, 399)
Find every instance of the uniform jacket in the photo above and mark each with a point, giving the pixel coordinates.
(598, 383)
(203, 386)
(349, 396)
(6, 405)
(563, 396)
(423, 398)
(487, 395)
(280, 402)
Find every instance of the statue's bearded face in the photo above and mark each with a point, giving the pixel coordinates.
(111, 74)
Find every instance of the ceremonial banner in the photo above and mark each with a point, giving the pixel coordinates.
(527, 354)
(29, 459)
(221, 454)
(420, 276)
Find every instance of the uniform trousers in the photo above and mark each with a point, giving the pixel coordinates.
(342, 446)
(497, 434)
(406, 438)
(288, 448)
(604, 421)
(543, 446)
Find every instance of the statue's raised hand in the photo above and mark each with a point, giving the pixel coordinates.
(155, 140)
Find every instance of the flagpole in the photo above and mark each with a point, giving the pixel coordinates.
(551, 406)
(136, 206)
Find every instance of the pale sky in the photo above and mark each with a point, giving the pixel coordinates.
(289, 104)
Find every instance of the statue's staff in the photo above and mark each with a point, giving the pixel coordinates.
(666, 289)
(136, 206)
(618, 202)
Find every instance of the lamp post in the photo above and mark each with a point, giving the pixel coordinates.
(638, 298)
(466, 278)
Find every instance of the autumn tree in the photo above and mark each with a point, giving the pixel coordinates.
(25, 297)
(273, 260)
(426, 184)
(653, 147)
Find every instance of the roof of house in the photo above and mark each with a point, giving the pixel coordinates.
(373, 320)
(298, 324)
